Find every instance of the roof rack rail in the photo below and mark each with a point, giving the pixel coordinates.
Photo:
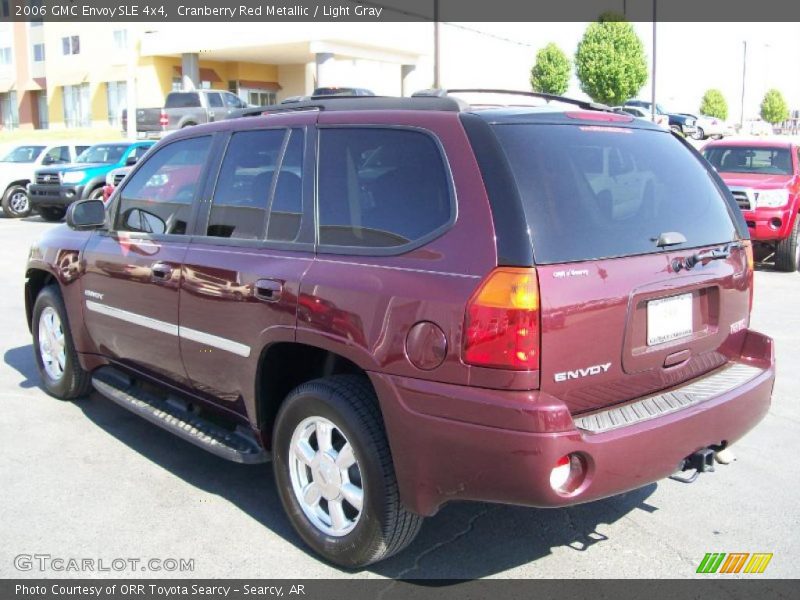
(257, 111)
(443, 93)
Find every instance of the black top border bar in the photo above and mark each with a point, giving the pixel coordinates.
(372, 11)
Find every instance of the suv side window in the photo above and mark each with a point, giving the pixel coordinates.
(214, 100)
(241, 195)
(286, 208)
(158, 197)
(380, 188)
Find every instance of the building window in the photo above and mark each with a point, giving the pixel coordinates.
(5, 56)
(117, 96)
(177, 84)
(38, 53)
(120, 39)
(71, 45)
(260, 98)
(9, 110)
(77, 107)
(42, 110)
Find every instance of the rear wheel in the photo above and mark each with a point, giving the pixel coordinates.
(56, 359)
(699, 134)
(787, 253)
(334, 473)
(16, 203)
(676, 129)
(52, 213)
(97, 194)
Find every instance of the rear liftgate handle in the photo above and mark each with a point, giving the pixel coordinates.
(269, 290)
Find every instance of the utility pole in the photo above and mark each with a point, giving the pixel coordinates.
(436, 78)
(744, 77)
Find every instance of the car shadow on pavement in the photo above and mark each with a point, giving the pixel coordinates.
(22, 359)
(465, 540)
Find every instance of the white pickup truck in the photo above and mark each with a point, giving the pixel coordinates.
(20, 162)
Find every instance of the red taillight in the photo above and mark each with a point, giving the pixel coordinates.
(502, 321)
(751, 265)
(163, 119)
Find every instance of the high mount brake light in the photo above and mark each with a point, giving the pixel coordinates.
(502, 324)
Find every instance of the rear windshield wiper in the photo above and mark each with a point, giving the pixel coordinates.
(669, 238)
(709, 255)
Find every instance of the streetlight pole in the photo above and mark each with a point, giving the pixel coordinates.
(653, 98)
(744, 78)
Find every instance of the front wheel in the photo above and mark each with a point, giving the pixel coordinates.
(52, 213)
(787, 254)
(56, 359)
(16, 203)
(334, 473)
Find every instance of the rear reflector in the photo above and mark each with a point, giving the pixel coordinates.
(502, 321)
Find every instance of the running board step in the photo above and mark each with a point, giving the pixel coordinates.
(238, 446)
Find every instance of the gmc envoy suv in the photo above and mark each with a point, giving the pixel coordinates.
(403, 302)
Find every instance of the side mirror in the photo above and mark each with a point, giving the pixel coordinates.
(130, 161)
(86, 214)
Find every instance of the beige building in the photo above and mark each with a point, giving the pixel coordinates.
(61, 75)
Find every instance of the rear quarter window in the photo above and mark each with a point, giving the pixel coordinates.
(380, 188)
(592, 192)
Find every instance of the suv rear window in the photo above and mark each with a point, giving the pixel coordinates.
(182, 100)
(593, 192)
(380, 188)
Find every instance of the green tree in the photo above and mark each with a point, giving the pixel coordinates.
(551, 72)
(773, 107)
(610, 61)
(713, 104)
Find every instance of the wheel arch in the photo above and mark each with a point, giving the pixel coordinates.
(35, 281)
(282, 366)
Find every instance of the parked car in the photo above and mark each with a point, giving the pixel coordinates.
(17, 169)
(324, 92)
(678, 122)
(710, 127)
(113, 179)
(756, 127)
(184, 109)
(406, 301)
(764, 178)
(54, 189)
(640, 113)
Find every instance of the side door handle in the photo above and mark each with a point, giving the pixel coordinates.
(161, 272)
(269, 290)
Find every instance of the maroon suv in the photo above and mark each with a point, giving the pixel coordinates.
(405, 302)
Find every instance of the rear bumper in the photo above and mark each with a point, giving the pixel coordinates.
(54, 195)
(769, 224)
(502, 445)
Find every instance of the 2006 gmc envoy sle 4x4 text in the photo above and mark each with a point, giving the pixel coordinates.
(402, 302)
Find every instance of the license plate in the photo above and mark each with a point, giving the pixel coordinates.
(669, 319)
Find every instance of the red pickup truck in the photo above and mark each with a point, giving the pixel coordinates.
(764, 177)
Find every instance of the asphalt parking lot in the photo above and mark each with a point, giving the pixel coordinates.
(90, 480)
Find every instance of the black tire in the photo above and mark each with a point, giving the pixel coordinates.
(97, 194)
(189, 124)
(14, 205)
(787, 252)
(74, 382)
(52, 213)
(676, 129)
(384, 527)
(699, 134)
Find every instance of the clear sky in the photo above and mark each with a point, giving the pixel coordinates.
(692, 57)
